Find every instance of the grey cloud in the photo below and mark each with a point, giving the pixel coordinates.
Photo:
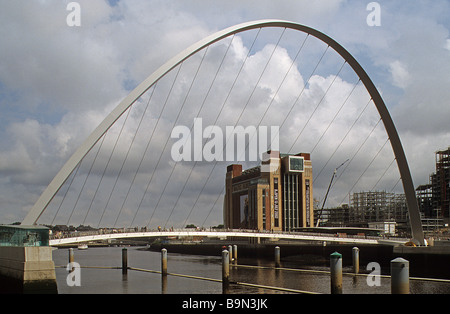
(79, 74)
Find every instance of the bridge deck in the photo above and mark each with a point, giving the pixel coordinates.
(225, 234)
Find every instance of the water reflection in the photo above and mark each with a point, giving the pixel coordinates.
(112, 281)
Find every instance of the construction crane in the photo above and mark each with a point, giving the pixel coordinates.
(328, 190)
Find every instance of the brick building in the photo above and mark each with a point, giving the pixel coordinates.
(277, 195)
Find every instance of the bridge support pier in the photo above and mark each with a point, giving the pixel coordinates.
(124, 261)
(277, 257)
(27, 270)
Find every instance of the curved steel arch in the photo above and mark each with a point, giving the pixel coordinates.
(95, 136)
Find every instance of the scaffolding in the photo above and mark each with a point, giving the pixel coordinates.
(333, 217)
(376, 206)
(424, 195)
(441, 183)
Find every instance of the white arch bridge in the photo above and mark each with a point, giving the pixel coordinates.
(314, 237)
(98, 135)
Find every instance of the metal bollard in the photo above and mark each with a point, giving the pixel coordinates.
(336, 273)
(355, 257)
(124, 261)
(164, 262)
(163, 284)
(225, 271)
(277, 257)
(235, 253)
(230, 251)
(71, 259)
(399, 276)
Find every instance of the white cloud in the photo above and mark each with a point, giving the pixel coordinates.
(57, 83)
(400, 74)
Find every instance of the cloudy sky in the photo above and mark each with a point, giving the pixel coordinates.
(57, 83)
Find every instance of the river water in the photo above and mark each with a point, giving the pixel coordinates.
(111, 281)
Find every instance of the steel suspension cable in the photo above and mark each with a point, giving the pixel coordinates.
(337, 113)
(98, 185)
(290, 110)
(357, 151)
(104, 170)
(277, 91)
(317, 106)
(167, 181)
(151, 217)
(343, 139)
(71, 213)
(395, 185)
(365, 170)
(264, 115)
(304, 87)
(240, 116)
(156, 125)
(282, 82)
(71, 182)
(384, 173)
(217, 117)
(176, 120)
(87, 176)
(195, 163)
(143, 155)
(125, 159)
(204, 100)
(65, 194)
(109, 160)
(164, 106)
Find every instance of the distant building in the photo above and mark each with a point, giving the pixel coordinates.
(434, 198)
(440, 182)
(387, 227)
(375, 206)
(277, 195)
(333, 217)
(424, 196)
(374, 209)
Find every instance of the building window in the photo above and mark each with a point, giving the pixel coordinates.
(276, 202)
(264, 208)
(292, 202)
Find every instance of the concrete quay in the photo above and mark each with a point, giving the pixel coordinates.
(26, 270)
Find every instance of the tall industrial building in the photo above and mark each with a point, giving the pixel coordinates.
(434, 198)
(440, 182)
(370, 209)
(277, 195)
(376, 206)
